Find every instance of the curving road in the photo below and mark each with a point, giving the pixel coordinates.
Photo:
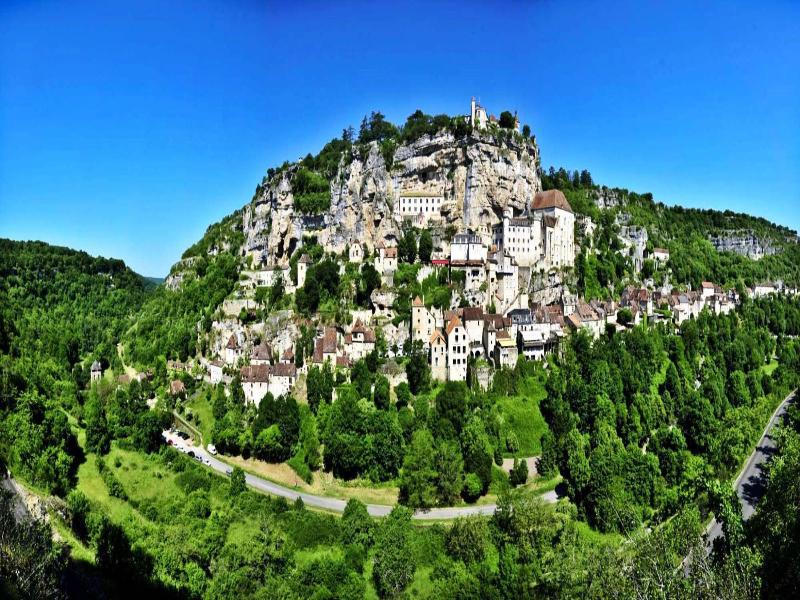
(333, 504)
(751, 482)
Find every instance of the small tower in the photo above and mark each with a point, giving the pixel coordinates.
(97, 371)
(302, 268)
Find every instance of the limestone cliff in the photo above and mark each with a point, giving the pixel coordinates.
(478, 175)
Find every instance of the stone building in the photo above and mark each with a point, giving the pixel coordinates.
(542, 240)
(96, 371)
(457, 350)
(302, 269)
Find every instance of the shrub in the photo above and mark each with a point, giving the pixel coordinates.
(472, 487)
(519, 472)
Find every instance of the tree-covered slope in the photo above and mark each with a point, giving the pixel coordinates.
(60, 309)
(685, 232)
(166, 325)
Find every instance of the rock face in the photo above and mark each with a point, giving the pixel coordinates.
(477, 175)
(745, 243)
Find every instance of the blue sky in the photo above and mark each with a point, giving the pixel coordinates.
(127, 128)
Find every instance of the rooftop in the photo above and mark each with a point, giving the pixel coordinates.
(551, 199)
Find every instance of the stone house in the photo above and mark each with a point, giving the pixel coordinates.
(96, 372)
(437, 356)
(215, 371)
(457, 350)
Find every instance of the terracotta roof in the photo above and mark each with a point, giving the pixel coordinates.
(586, 312)
(176, 386)
(262, 352)
(255, 373)
(390, 252)
(551, 199)
(342, 361)
(473, 313)
(305, 259)
(707, 284)
(661, 250)
(417, 302)
(329, 340)
(503, 335)
(550, 220)
(217, 363)
(499, 321)
(284, 370)
(466, 263)
(288, 354)
(233, 344)
(437, 334)
(317, 350)
(554, 310)
(574, 320)
(454, 322)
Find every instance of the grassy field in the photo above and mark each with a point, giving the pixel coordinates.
(523, 417)
(202, 415)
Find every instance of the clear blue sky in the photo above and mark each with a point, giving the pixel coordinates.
(126, 128)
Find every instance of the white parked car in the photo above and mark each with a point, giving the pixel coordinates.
(211, 449)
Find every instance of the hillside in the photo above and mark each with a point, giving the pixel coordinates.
(63, 307)
(704, 245)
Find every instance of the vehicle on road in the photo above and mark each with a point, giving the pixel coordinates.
(211, 449)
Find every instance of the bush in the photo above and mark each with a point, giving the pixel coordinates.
(238, 482)
(79, 508)
(473, 487)
(298, 464)
(467, 540)
(519, 472)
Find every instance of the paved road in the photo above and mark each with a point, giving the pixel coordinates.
(334, 504)
(751, 483)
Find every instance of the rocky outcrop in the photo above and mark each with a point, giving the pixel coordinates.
(478, 175)
(745, 243)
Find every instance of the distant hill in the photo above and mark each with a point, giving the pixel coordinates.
(63, 307)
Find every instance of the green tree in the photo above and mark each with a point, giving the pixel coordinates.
(467, 540)
(357, 526)
(451, 404)
(450, 469)
(425, 246)
(393, 565)
(519, 472)
(407, 247)
(380, 395)
(507, 120)
(237, 483)
(98, 438)
(418, 477)
(418, 372)
(477, 451)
